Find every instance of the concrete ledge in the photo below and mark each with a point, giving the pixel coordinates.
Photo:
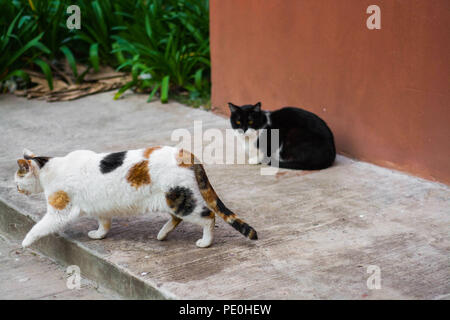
(16, 224)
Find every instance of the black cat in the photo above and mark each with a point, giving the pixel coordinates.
(305, 140)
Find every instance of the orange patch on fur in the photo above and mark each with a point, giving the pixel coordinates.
(59, 200)
(232, 218)
(23, 163)
(24, 167)
(207, 191)
(107, 225)
(21, 191)
(211, 215)
(210, 196)
(148, 151)
(138, 174)
(185, 159)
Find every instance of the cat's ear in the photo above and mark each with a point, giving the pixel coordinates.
(27, 154)
(257, 107)
(24, 165)
(233, 108)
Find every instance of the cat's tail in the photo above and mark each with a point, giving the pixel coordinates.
(218, 207)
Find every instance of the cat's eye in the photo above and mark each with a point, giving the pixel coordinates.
(238, 122)
(250, 122)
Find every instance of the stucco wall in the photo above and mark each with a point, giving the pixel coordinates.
(384, 93)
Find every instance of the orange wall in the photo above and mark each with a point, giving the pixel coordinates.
(384, 93)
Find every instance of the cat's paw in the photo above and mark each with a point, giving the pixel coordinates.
(96, 235)
(161, 235)
(201, 243)
(27, 242)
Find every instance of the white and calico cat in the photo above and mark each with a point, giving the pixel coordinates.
(103, 186)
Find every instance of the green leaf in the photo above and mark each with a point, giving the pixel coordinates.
(47, 72)
(125, 64)
(22, 50)
(71, 59)
(93, 56)
(13, 23)
(137, 69)
(23, 20)
(198, 79)
(42, 47)
(99, 16)
(19, 73)
(84, 37)
(165, 89)
(155, 88)
(126, 86)
(80, 78)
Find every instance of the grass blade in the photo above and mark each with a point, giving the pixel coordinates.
(119, 55)
(126, 86)
(30, 44)
(46, 71)
(165, 89)
(71, 59)
(93, 56)
(155, 88)
(198, 79)
(80, 78)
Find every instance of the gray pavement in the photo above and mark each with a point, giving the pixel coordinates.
(26, 274)
(319, 232)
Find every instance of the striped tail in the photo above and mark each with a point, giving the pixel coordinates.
(216, 205)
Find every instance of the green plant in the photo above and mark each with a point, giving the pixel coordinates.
(19, 44)
(168, 42)
(164, 44)
(50, 19)
(100, 21)
(35, 37)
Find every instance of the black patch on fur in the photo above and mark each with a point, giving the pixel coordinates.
(222, 208)
(112, 161)
(181, 200)
(241, 227)
(205, 212)
(200, 174)
(41, 161)
(245, 229)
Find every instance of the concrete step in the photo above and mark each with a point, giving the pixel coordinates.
(319, 232)
(26, 274)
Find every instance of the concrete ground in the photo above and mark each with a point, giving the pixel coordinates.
(319, 232)
(25, 274)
